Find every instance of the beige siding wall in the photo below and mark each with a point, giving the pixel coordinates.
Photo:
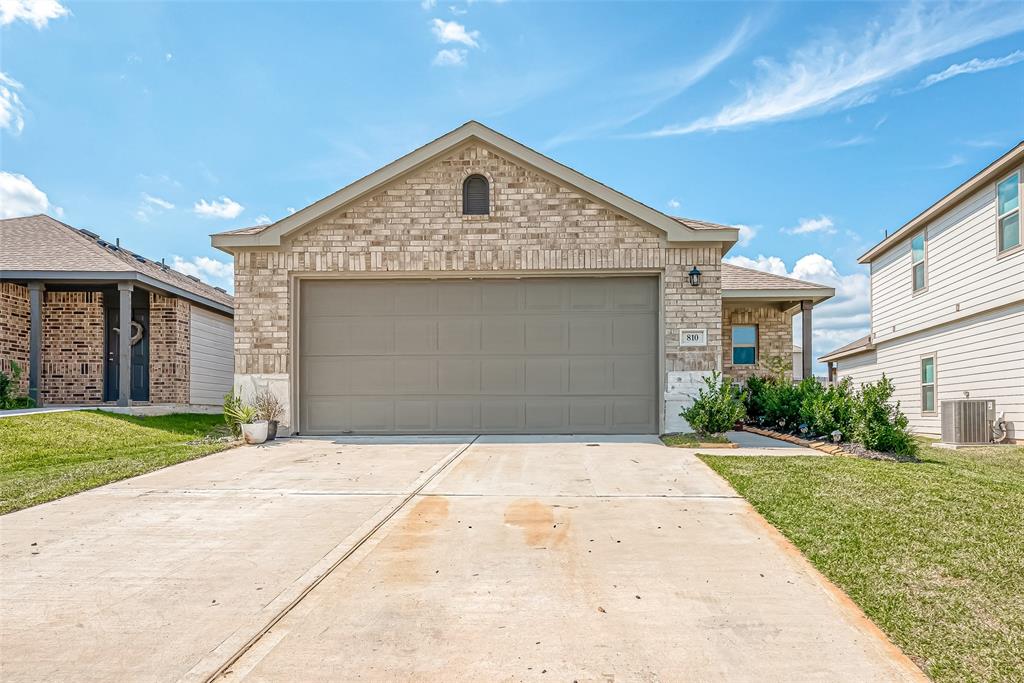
(211, 365)
(415, 228)
(965, 274)
(982, 355)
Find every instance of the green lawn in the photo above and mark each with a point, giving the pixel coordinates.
(51, 455)
(933, 552)
(691, 440)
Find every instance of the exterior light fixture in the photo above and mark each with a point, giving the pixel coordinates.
(804, 429)
(837, 435)
(695, 277)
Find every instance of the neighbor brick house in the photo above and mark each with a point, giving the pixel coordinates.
(62, 292)
(475, 285)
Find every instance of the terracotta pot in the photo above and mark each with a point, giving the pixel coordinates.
(255, 432)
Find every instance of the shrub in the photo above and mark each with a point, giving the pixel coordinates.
(754, 401)
(808, 391)
(717, 409)
(781, 404)
(9, 398)
(237, 413)
(831, 409)
(880, 425)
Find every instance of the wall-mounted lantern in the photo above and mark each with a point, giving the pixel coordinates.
(695, 277)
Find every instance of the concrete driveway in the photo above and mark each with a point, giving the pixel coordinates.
(423, 559)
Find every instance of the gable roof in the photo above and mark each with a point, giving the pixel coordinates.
(746, 283)
(675, 230)
(42, 248)
(994, 171)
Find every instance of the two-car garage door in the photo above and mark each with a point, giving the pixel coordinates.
(532, 355)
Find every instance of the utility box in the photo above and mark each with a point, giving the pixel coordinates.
(968, 421)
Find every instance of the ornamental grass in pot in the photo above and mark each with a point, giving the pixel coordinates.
(269, 408)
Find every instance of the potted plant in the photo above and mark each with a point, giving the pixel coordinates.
(269, 408)
(244, 420)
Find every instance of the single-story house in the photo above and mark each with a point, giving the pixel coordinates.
(63, 293)
(478, 286)
(947, 303)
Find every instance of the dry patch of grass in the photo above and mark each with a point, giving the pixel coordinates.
(932, 551)
(51, 455)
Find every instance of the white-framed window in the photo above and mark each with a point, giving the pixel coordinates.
(744, 344)
(1008, 211)
(928, 384)
(917, 261)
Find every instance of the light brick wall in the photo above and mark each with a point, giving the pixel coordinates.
(72, 348)
(774, 337)
(169, 349)
(14, 329)
(416, 226)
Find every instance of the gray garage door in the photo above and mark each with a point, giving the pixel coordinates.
(567, 355)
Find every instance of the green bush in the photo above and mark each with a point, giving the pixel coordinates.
(718, 408)
(831, 409)
(880, 425)
(9, 398)
(237, 413)
(781, 404)
(754, 401)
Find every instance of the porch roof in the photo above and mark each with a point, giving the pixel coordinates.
(42, 248)
(739, 283)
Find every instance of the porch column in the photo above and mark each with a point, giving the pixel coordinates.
(35, 339)
(807, 356)
(124, 344)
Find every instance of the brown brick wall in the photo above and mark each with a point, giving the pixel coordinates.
(14, 329)
(169, 349)
(72, 348)
(416, 225)
(774, 337)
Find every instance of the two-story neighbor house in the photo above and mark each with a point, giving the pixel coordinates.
(947, 303)
(475, 285)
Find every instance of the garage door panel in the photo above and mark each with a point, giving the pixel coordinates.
(547, 376)
(590, 335)
(458, 335)
(549, 355)
(415, 335)
(458, 376)
(416, 375)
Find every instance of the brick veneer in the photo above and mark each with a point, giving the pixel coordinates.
(415, 226)
(169, 349)
(774, 337)
(72, 348)
(14, 329)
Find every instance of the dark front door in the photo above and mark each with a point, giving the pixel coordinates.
(140, 347)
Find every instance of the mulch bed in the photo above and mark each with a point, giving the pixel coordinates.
(849, 449)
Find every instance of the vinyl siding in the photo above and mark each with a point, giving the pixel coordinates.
(963, 270)
(212, 357)
(983, 354)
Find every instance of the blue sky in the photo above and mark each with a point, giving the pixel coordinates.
(816, 126)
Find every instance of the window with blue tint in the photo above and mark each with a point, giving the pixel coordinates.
(928, 384)
(917, 261)
(744, 345)
(1008, 212)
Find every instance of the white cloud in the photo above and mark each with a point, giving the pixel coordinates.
(12, 111)
(157, 201)
(972, 67)
(263, 219)
(290, 210)
(953, 161)
(810, 225)
(854, 141)
(168, 56)
(428, 4)
(225, 207)
(454, 32)
(36, 12)
(450, 57)
(20, 197)
(836, 71)
(656, 89)
(838, 321)
(747, 234)
(209, 270)
(674, 204)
